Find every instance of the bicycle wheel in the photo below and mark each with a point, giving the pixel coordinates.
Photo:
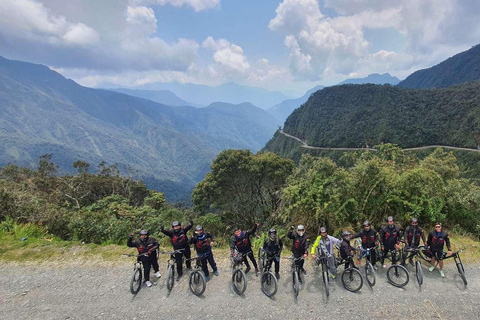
(370, 274)
(325, 282)
(261, 261)
(296, 283)
(136, 282)
(398, 276)
(422, 254)
(239, 281)
(352, 279)
(269, 284)
(170, 277)
(462, 273)
(419, 272)
(197, 283)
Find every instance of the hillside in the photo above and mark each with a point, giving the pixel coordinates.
(373, 78)
(171, 148)
(161, 96)
(365, 115)
(460, 68)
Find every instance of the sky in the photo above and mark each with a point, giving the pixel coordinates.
(289, 46)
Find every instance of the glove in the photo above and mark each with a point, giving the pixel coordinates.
(383, 248)
(162, 228)
(131, 235)
(256, 224)
(291, 228)
(191, 221)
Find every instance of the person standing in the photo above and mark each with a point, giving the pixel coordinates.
(203, 243)
(389, 239)
(241, 242)
(300, 245)
(178, 237)
(147, 246)
(437, 239)
(412, 236)
(273, 246)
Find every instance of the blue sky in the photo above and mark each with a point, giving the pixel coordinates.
(289, 45)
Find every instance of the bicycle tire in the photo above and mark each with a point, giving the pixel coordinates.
(352, 280)
(269, 284)
(419, 272)
(325, 282)
(136, 281)
(239, 281)
(395, 274)
(370, 274)
(296, 283)
(170, 277)
(421, 254)
(197, 283)
(462, 273)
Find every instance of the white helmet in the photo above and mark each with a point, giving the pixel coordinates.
(300, 230)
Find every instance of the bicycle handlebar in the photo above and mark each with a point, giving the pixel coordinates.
(172, 252)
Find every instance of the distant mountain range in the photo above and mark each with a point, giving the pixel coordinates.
(171, 148)
(230, 93)
(373, 78)
(460, 68)
(161, 96)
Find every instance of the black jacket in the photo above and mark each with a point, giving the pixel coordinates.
(346, 250)
(389, 237)
(149, 245)
(369, 238)
(202, 244)
(242, 243)
(300, 244)
(412, 236)
(273, 247)
(179, 238)
(436, 242)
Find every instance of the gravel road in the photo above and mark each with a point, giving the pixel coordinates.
(88, 290)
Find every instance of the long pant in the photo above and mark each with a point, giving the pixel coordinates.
(276, 260)
(406, 253)
(178, 258)
(385, 253)
(300, 262)
(207, 256)
(373, 255)
(331, 264)
(148, 262)
(252, 258)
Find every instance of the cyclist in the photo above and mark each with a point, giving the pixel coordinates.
(436, 240)
(273, 246)
(178, 236)
(369, 239)
(203, 242)
(326, 242)
(389, 239)
(301, 242)
(346, 249)
(148, 245)
(241, 242)
(412, 236)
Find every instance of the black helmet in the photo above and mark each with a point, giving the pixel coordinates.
(346, 235)
(366, 223)
(176, 223)
(144, 232)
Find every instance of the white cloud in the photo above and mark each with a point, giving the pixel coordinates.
(197, 5)
(142, 20)
(229, 59)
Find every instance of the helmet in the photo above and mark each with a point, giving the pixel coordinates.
(346, 235)
(272, 234)
(300, 230)
(144, 232)
(366, 223)
(390, 218)
(323, 230)
(176, 223)
(199, 228)
(414, 220)
(272, 231)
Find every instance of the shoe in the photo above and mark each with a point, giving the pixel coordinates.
(148, 283)
(404, 264)
(384, 266)
(442, 274)
(431, 268)
(333, 276)
(179, 277)
(256, 272)
(300, 279)
(216, 272)
(277, 275)
(207, 278)
(158, 274)
(304, 272)
(247, 270)
(375, 267)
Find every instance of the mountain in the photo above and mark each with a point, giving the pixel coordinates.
(170, 148)
(460, 68)
(160, 96)
(374, 78)
(230, 93)
(283, 109)
(365, 115)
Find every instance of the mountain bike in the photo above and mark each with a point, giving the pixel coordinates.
(295, 274)
(415, 253)
(397, 274)
(370, 273)
(268, 281)
(136, 280)
(352, 279)
(458, 263)
(321, 259)
(239, 279)
(197, 281)
(171, 263)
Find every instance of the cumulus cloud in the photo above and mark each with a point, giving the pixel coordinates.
(197, 5)
(229, 59)
(141, 19)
